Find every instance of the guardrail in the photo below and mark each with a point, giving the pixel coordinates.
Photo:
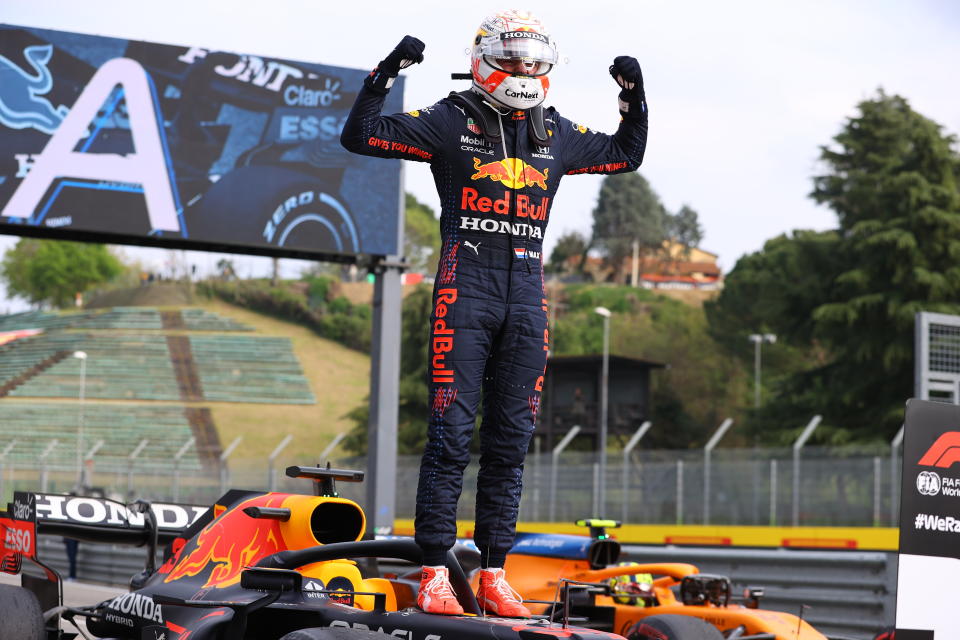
(848, 593)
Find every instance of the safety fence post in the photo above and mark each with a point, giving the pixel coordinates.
(679, 491)
(325, 454)
(130, 459)
(271, 472)
(802, 440)
(3, 463)
(176, 466)
(43, 464)
(707, 450)
(597, 511)
(555, 456)
(894, 481)
(224, 470)
(86, 480)
(627, 450)
(876, 490)
(537, 446)
(773, 493)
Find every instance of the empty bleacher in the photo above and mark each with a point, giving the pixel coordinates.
(36, 320)
(201, 320)
(24, 357)
(119, 365)
(146, 375)
(130, 357)
(121, 427)
(118, 318)
(250, 369)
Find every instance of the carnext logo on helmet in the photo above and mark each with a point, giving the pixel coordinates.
(509, 35)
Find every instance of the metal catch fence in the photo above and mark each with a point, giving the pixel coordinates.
(756, 486)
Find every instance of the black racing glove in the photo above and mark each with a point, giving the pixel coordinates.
(408, 52)
(626, 71)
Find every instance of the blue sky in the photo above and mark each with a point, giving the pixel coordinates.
(742, 94)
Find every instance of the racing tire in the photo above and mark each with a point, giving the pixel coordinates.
(336, 633)
(266, 205)
(28, 623)
(673, 627)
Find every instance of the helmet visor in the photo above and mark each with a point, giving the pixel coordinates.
(521, 52)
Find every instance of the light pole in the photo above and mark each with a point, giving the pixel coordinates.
(758, 339)
(604, 384)
(82, 356)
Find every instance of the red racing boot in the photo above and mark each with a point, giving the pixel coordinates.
(497, 597)
(436, 595)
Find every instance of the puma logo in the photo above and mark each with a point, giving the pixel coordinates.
(475, 247)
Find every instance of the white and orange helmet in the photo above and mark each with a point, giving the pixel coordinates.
(511, 57)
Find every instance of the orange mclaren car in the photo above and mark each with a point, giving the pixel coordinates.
(577, 578)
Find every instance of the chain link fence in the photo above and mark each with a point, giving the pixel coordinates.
(757, 486)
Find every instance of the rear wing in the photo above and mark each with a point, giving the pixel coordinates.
(102, 520)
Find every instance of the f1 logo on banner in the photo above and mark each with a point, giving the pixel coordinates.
(944, 453)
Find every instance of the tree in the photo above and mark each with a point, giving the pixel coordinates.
(53, 271)
(225, 270)
(844, 301)
(776, 290)
(684, 228)
(702, 384)
(570, 244)
(421, 238)
(892, 179)
(628, 210)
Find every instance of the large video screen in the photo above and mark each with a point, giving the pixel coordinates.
(141, 143)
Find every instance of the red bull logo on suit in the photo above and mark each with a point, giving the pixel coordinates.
(511, 172)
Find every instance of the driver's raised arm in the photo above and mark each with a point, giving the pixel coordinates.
(587, 151)
(417, 135)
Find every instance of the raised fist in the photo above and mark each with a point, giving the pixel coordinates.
(632, 100)
(408, 52)
(626, 71)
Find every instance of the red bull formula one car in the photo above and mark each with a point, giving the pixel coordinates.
(268, 566)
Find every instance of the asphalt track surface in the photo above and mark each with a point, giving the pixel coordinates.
(75, 593)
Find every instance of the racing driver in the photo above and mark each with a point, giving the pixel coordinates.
(497, 156)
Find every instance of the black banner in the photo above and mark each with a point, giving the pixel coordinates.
(929, 522)
(142, 143)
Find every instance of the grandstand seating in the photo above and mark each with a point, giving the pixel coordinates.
(249, 369)
(19, 357)
(117, 318)
(120, 426)
(36, 320)
(152, 356)
(201, 320)
(118, 366)
(129, 358)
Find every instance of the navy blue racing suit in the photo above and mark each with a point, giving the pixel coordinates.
(489, 323)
